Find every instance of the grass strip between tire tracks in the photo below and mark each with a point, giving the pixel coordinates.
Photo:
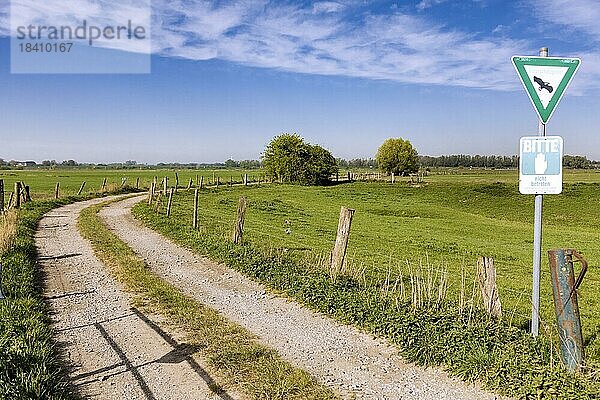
(230, 350)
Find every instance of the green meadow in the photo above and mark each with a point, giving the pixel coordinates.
(442, 225)
(43, 181)
(400, 232)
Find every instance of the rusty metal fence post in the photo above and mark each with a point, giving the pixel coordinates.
(564, 288)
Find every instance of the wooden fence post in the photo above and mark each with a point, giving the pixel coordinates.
(23, 196)
(17, 194)
(245, 179)
(195, 222)
(170, 202)
(158, 204)
(214, 181)
(218, 181)
(238, 229)
(151, 193)
(27, 194)
(176, 181)
(338, 254)
(10, 200)
(81, 189)
(201, 182)
(123, 180)
(165, 185)
(1, 196)
(57, 190)
(487, 282)
(103, 185)
(393, 177)
(137, 182)
(190, 183)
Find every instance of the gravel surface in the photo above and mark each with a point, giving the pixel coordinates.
(340, 356)
(113, 351)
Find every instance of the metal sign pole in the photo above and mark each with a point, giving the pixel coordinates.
(537, 243)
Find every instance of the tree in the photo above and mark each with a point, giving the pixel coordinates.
(397, 156)
(231, 164)
(289, 159)
(578, 162)
(319, 167)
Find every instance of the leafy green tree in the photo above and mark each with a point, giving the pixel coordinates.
(319, 167)
(579, 162)
(397, 156)
(289, 159)
(231, 164)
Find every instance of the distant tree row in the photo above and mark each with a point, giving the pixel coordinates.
(357, 163)
(395, 155)
(478, 161)
(579, 162)
(465, 160)
(244, 164)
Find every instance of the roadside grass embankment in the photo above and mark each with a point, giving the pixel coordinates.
(30, 363)
(289, 230)
(234, 353)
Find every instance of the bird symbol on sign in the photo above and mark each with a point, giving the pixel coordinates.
(543, 85)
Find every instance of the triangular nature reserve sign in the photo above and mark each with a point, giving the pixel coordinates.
(545, 79)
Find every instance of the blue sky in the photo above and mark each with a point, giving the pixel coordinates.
(229, 75)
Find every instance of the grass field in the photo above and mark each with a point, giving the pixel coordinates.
(444, 224)
(43, 181)
(450, 221)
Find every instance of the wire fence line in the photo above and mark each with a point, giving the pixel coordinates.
(285, 235)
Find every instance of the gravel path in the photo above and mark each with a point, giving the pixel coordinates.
(340, 356)
(113, 350)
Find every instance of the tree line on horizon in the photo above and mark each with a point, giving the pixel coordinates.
(449, 161)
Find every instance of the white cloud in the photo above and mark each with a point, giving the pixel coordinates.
(329, 38)
(327, 7)
(100, 13)
(581, 17)
(425, 4)
(397, 47)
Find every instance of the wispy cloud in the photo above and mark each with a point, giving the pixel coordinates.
(425, 4)
(72, 13)
(342, 38)
(581, 18)
(327, 7)
(327, 38)
(582, 15)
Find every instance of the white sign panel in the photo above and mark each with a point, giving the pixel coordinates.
(540, 166)
(545, 79)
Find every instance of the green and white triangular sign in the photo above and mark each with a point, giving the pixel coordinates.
(545, 80)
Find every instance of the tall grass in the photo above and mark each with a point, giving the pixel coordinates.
(8, 229)
(30, 367)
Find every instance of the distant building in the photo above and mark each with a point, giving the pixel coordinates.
(27, 164)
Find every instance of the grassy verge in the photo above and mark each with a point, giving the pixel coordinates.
(464, 340)
(230, 350)
(30, 366)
